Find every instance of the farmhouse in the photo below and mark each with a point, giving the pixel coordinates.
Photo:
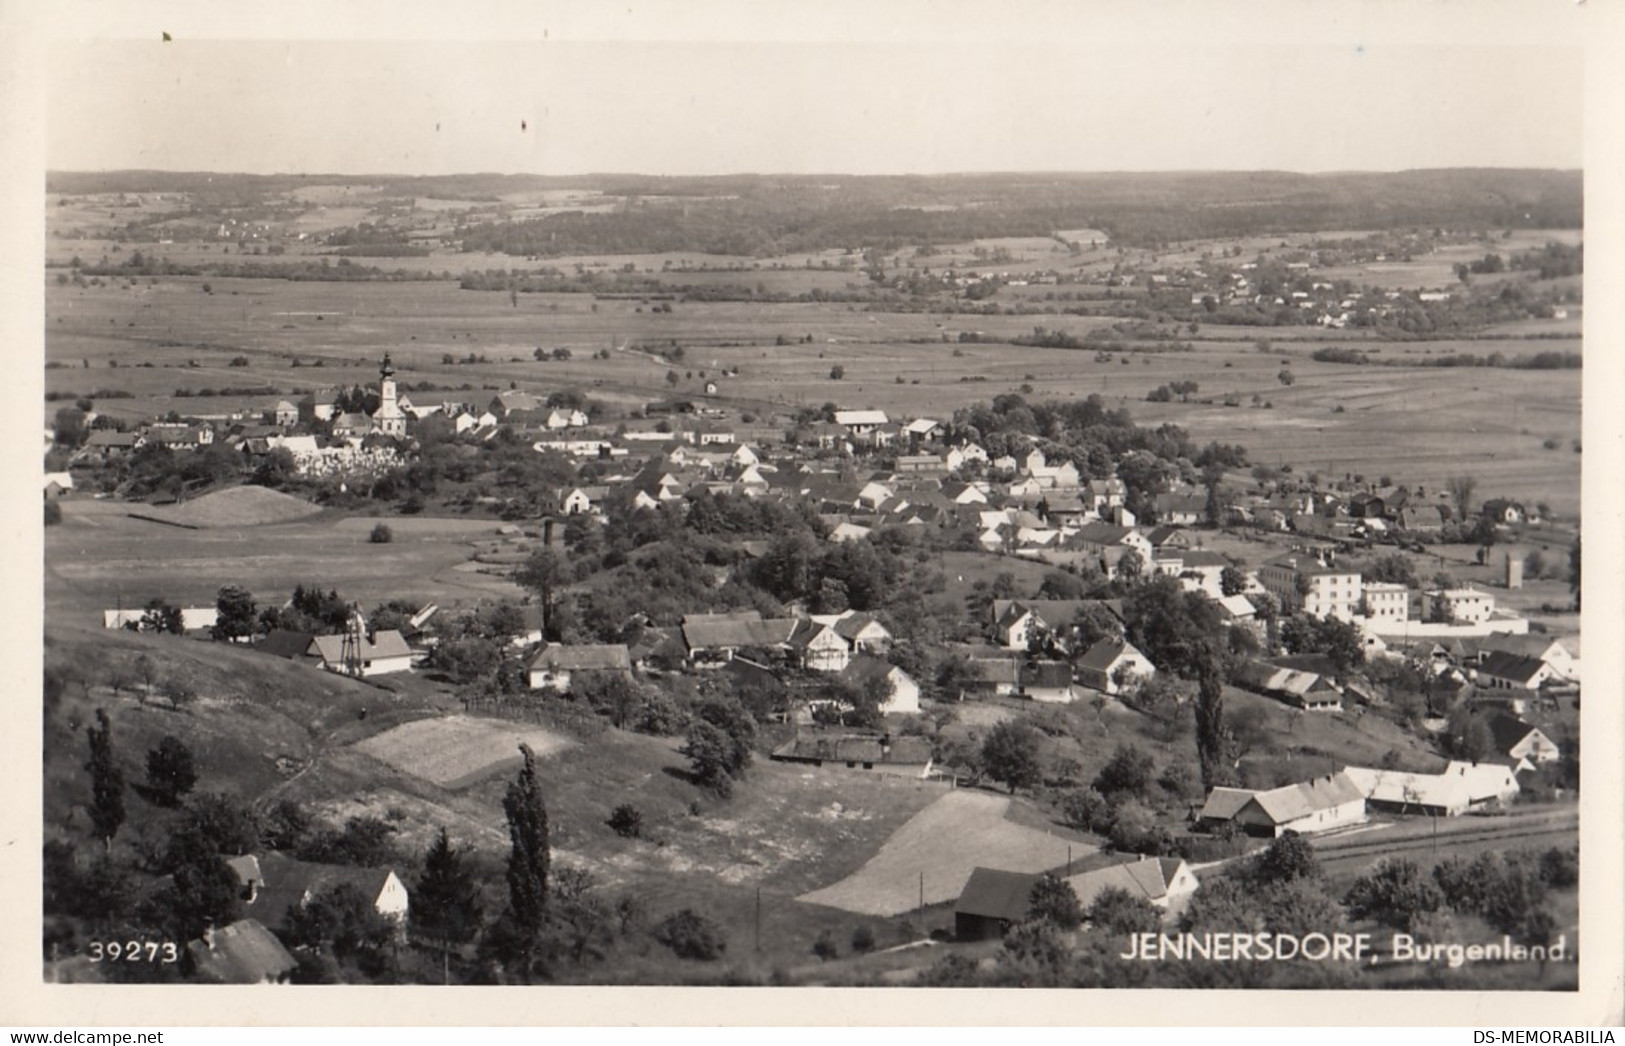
(1544, 648)
(1518, 740)
(992, 677)
(289, 884)
(877, 676)
(818, 647)
(1308, 690)
(1319, 805)
(1500, 670)
(1461, 787)
(384, 653)
(1047, 681)
(558, 664)
(894, 756)
(1109, 661)
(991, 901)
(718, 637)
(243, 952)
(57, 484)
(1166, 882)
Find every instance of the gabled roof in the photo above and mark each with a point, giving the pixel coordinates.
(860, 417)
(995, 669)
(996, 894)
(1290, 802)
(288, 883)
(1444, 791)
(243, 953)
(1515, 668)
(281, 643)
(849, 626)
(1224, 803)
(1146, 877)
(1105, 653)
(1508, 730)
(583, 657)
(387, 643)
(869, 670)
(1049, 674)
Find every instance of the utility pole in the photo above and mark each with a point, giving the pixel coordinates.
(922, 896)
(758, 918)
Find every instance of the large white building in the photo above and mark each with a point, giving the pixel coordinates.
(1386, 601)
(1467, 606)
(1301, 582)
(388, 419)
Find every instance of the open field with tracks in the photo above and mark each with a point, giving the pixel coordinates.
(458, 750)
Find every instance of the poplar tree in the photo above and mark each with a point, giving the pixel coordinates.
(106, 781)
(528, 859)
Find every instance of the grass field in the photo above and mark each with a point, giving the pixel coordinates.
(456, 751)
(101, 558)
(944, 843)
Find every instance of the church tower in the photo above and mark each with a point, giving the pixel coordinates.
(388, 419)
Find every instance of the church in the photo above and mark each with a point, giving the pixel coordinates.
(388, 419)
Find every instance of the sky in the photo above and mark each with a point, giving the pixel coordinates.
(1059, 91)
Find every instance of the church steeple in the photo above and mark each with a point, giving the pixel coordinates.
(388, 418)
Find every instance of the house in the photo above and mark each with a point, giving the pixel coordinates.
(1421, 519)
(1545, 648)
(1185, 510)
(860, 422)
(718, 637)
(1308, 690)
(57, 484)
(963, 493)
(318, 405)
(581, 500)
(1300, 582)
(918, 463)
(991, 901)
(992, 677)
(352, 426)
(283, 414)
(1166, 539)
(558, 664)
(510, 400)
(1518, 740)
(848, 531)
(1111, 660)
(244, 952)
(894, 756)
(1047, 681)
(107, 443)
(877, 675)
(818, 647)
(1461, 787)
(1500, 510)
(291, 646)
(1386, 602)
(1222, 806)
(862, 632)
(1318, 805)
(1237, 610)
(1501, 670)
(386, 652)
(1165, 882)
(1464, 606)
(290, 884)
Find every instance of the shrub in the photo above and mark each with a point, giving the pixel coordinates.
(381, 534)
(53, 513)
(692, 936)
(863, 940)
(627, 821)
(825, 947)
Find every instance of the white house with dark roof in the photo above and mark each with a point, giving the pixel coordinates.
(1103, 664)
(1318, 805)
(386, 652)
(558, 664)
(877, 675)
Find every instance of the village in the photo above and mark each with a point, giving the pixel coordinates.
(1158, 563)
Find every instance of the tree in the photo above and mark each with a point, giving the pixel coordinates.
(837, 372)
(709, 754)
(203, 891)
(692, 936)
(543, 573)
(1461, 490)
(1232, 581)
(1127, 773)
(1289, 857)
(626, 821)
(237, 617)
(161, 616)
(170, 771)
(1010, 754)
(1211, 741)
(1087, 810)
(1574, 570)
(529, 855)
(1466, 735)
(1396, 568)
(1395, 893)
(446, 901)
(106, 781)
(1131, 566)
(1054, 901)
(382, 534)
(1120, 913)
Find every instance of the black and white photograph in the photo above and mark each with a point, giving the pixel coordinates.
(1033, 497)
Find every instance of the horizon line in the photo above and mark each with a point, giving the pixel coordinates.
(1037, 172)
